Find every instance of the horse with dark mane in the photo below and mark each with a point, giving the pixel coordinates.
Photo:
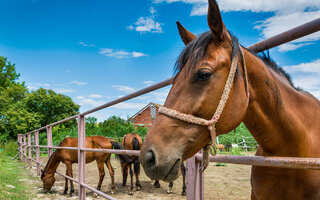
(131, 141)
(68, 157)
(220, 84)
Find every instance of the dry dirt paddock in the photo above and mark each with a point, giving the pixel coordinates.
(230, 182)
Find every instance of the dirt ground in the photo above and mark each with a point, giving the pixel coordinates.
(221, 182)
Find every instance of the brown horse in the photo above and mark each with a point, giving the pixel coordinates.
(131, 141)
(220, 147)
(68, 157)
(283, 119)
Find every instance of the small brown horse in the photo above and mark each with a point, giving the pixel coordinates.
(68, 157)
(131, 141)
(170, 190)
(283, 119)
(220, 147)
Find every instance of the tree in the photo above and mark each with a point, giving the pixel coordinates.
(8, 74)
(50, 106)
(90, 122)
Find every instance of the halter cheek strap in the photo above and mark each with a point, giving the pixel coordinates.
(211, 124)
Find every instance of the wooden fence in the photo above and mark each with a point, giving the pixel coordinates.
(195, 179)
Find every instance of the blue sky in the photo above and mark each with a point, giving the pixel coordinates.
(97, 50)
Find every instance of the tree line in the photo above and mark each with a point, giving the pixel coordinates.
(23, 110)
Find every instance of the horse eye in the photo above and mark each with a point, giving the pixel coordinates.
(203, 75)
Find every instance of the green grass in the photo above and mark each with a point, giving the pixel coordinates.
(10, 173)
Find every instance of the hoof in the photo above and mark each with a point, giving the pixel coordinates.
(138, 188)
(130, 192)
(95, 195)
(183, 193)
(112, 191)
(169, 191)
(70, 194)
(156, 185)
(65, 193)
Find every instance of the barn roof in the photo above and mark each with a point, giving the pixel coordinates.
(144, 108)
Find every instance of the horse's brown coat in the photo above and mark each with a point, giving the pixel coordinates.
(283, 120)
(68, 157)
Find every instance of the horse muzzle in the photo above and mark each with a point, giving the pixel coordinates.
(157, 167)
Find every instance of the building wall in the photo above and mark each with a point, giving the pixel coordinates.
(144, 118)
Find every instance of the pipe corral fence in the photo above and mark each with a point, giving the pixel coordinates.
(195, 179)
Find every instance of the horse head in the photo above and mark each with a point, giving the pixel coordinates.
(203, 70)
(48, 180)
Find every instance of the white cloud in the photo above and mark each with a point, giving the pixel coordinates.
(62, 90)
(97, 96)
(312, 67)
(148, 82)
(86, 45)
(78, 83)
(138, 54)
(200, 7)
(147, 24)
(80, 97)
(35, 86)
(280, 23)
(91, 102)
(120, 53)
(306, 76)
(291, 47)
(123, 88)
(123, 105)
(288, 14)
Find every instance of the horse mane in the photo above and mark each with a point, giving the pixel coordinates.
(46, 167)
(196, 50)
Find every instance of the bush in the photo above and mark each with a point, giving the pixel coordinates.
(9, 148)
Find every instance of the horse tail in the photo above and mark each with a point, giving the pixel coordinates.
(136, 162)
(122, 157)
(135, 144)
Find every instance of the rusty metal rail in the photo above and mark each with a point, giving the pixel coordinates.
(281, 162)
(195, 180)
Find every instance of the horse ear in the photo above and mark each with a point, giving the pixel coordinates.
(185, 35)
(215, 22)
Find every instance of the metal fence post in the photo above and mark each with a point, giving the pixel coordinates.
(20, 146)
(244, 144)
(195, 180)
(81, 157)
(37, 152)
(25, 147)
(29, 149)
(49, 140)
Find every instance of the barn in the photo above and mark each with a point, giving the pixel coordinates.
(146, 115)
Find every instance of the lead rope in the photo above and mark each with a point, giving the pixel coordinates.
(211, 124)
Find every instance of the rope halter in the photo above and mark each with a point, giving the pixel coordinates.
(211, 124)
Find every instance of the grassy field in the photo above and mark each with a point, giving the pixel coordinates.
(13, 176)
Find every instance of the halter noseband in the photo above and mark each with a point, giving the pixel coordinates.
(211, 124)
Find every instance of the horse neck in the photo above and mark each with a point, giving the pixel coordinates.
(53, 163)
(275, 117)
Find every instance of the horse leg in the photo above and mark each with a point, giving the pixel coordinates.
(131, 180)
(156, 184)
(111, 172)
(137, 172)
(69, 167)
(169, 191)
(101, 173)
(66, 185)
(124, 169)
(183, 172)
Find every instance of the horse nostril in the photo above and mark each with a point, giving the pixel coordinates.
(150, 159)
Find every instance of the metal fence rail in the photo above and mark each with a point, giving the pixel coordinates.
(195, 184)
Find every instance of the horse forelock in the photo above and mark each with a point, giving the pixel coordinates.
(196, 51)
